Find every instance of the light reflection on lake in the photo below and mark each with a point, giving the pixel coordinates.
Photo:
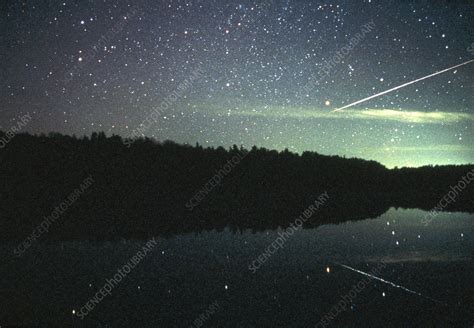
(299, 284)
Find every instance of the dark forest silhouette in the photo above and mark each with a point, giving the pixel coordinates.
(142, 190)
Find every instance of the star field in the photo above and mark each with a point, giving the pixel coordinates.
(79, 67)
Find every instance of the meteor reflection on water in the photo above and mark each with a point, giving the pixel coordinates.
(390, 283)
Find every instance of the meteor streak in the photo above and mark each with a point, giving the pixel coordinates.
(401, 86)
(390, 283)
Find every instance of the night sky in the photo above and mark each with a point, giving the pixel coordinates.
(84, 66)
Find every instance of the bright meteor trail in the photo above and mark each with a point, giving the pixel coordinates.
(390, 283)
(401, 86)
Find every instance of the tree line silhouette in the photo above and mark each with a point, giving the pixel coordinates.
(142, 190)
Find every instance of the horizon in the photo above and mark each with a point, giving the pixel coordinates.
(4, 143)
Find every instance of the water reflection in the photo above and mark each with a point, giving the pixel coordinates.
(297, 286)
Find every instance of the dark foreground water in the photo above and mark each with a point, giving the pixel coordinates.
(207, 276)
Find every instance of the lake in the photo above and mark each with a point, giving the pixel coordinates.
(420, 275)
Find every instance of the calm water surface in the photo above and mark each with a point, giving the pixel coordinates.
(301, 283)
